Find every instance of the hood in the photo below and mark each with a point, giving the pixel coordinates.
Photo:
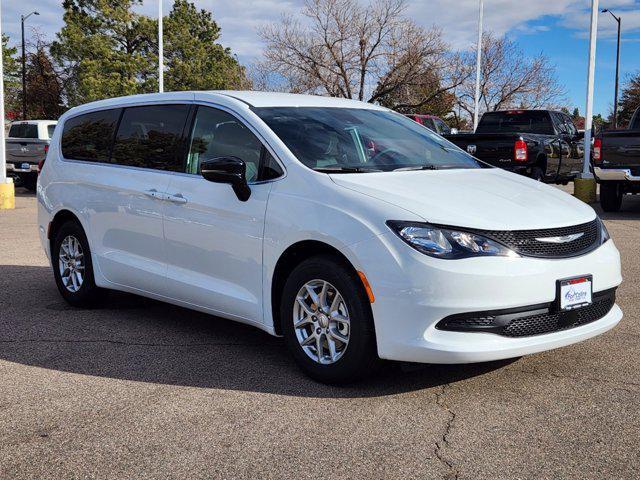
(489, 199)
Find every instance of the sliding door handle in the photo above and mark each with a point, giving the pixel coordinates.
(177, 198)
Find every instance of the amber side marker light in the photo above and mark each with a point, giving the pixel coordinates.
(367, 287)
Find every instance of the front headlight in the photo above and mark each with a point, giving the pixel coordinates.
(604, 233)
(447, 243)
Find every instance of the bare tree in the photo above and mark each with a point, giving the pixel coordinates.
(345, 49)
(510, 79)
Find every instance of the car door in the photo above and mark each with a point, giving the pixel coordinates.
(127, 196)
(214, 240)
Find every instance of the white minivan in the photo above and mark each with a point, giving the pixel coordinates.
(345, 227)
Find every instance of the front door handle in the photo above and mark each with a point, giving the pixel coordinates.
(177, 198)
(153, 193)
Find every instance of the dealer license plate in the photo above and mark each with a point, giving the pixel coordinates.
(575, 292)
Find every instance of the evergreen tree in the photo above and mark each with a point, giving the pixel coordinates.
(12, 84)
(106, 50)
(193, 58)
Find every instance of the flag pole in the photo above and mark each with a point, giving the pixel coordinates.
(160, 49)
(476, 112)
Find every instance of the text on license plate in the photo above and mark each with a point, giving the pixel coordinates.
(576, 292)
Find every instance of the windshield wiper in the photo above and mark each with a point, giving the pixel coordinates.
(429, 166)
(346, 170)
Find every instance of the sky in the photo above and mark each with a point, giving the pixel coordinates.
(557, 28)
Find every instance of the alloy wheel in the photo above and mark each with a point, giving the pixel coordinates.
(321, 322)
(71, 263)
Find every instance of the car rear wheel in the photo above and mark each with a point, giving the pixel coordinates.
(72, 267)
(610, 196)
(327, 321)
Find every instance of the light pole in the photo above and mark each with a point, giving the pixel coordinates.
(615, 101)
(585, 184)
(478, 67)
(160, 50)
(24, 68)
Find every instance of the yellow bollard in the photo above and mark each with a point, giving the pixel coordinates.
(7, 196)
(585, 189)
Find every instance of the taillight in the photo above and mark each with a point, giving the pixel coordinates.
(520, 153)
(40, 165)
(418, 120)
(597, 150)
(46, 149)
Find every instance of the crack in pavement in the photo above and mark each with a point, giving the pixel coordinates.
(441, 444)
(131, 344)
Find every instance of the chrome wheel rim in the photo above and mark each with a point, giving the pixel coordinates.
(321, 322)
(71, 263)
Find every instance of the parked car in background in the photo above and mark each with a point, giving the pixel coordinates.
(27, 145)
(343, 226)
(541, 144)
(616, 162)
(433, 123)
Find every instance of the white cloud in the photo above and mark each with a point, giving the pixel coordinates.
(240, 20)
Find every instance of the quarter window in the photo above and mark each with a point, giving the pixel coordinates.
(217, 133)
(150, 137)
(89, 136)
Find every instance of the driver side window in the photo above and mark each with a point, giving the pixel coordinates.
(216, 133)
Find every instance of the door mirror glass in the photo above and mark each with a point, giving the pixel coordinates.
(231, 170)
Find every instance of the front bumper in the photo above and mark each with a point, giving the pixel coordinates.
(615, 174)
(414, 292)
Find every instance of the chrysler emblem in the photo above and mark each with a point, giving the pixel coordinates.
(472, 149)
(561, 239)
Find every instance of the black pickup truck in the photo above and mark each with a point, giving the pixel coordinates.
(541, 144)
(616, 164)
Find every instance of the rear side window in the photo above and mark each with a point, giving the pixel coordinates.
(443, 128)
(89, 136)
(50, 130)
(150, 137)
(23, 130)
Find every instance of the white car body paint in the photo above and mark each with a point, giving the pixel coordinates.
(217, 255)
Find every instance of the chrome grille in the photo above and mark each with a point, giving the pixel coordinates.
(524, 242)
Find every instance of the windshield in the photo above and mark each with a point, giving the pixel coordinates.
(361, 140)
(521, 121)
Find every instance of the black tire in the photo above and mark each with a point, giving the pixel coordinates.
(360, 358)
(30, 182)
(610, 197)
(537, 174)
(88, 293)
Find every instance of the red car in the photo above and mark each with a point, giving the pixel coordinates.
(432, 122)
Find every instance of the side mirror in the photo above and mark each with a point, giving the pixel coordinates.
(231, 170)
(454, 131)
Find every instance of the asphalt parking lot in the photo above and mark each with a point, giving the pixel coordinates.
(140, 389)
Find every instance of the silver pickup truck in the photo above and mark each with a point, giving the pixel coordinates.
(26, 146)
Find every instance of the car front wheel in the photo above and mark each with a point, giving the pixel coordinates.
(327, 321)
